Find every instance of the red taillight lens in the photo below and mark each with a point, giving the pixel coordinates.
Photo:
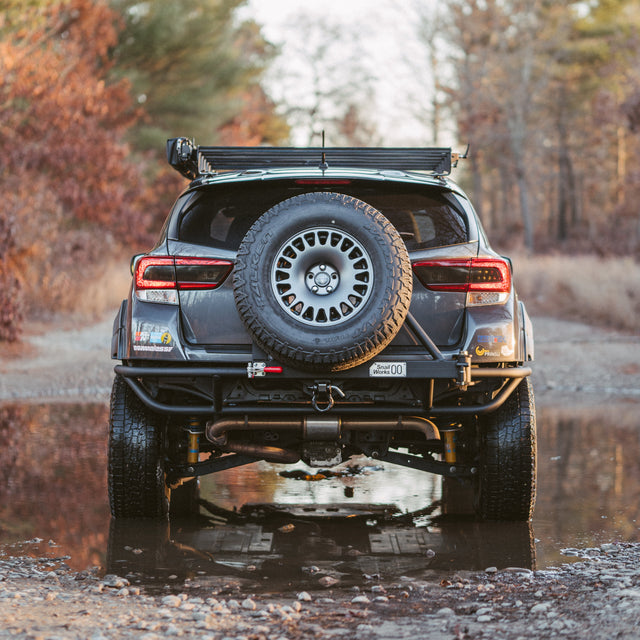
(201, 273)
(489, 275)
(180, 272)
(155, 273)
(475, 274)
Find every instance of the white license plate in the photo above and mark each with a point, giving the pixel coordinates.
(388, 370)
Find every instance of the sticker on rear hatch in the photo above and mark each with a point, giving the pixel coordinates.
(388, 370)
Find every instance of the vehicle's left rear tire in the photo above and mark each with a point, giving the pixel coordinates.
(136, 476)
(506, 483)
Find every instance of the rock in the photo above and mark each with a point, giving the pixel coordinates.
(445, 612)
(114, 582)
(328, 581)
(304, 596)
(360, 600)
(541, 607)
(171, 601)
(248, 604)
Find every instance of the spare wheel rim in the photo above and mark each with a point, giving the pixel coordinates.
(322, 276)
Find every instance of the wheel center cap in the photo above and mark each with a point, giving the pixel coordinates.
(322, 279)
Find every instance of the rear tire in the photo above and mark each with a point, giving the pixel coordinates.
(136, 459)
(507, 459)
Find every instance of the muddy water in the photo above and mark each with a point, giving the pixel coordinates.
(259, 528)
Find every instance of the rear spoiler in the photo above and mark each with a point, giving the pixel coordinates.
(195, 161)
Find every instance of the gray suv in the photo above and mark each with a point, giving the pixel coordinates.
(316, 303)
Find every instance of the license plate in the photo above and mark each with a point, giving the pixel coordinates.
(388, 370)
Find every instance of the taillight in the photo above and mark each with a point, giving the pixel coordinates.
(158, 279)
(155, 273)
(484, 280)
(201, 273)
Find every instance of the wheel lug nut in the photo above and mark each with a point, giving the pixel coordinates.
(314, 289)
(323, 267)
(329, 289)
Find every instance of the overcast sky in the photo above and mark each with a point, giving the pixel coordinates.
(386, 44)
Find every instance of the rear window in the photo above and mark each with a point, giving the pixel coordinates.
(220, 217)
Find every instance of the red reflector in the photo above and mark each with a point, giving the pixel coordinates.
(476, 274)
(321, 181)
(273, 369)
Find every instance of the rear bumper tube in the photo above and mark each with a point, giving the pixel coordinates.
(132, 374)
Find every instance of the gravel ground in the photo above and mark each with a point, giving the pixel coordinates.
(598, 596)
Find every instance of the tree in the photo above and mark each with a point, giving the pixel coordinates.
(320, 85)
(539, 89)
(192, 67)
(65, 170)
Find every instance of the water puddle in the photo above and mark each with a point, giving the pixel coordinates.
(260, 528)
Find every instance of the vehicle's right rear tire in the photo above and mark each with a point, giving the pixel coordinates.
(136, 476)
(506, 484)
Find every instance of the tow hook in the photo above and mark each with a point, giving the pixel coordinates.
(322, 399)
(464, 370)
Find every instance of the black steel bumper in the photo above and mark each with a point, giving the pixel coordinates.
(458, 370)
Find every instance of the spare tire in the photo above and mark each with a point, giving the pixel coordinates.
(322, 281)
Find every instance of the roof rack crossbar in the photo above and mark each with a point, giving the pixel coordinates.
(192, 161)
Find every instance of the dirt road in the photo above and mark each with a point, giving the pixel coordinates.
(598, 597)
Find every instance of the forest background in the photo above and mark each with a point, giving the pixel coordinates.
(546, 94)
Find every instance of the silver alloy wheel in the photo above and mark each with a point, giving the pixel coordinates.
(322, 276)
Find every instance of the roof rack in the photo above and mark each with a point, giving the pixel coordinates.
(195, 161)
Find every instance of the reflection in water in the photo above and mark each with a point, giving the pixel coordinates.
(588, 477)
(52, 486)
(281, 552)
(53, 480)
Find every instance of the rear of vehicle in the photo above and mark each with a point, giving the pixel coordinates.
(315, 304)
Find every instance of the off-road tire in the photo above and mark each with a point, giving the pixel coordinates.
(136, 461)
(344, 338)
(506, 486)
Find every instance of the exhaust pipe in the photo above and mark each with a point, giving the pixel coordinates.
(270, 454)
(310, 428)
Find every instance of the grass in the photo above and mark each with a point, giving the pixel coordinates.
(598, 291)
(89, 292)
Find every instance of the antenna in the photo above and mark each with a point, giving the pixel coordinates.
(323, 164)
